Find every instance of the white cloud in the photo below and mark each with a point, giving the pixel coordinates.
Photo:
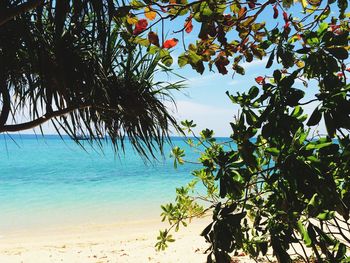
(219, 118)
(206, 116)
(202, 79)
(254, 63)
(233, 82)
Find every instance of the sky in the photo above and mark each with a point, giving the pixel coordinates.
(204, 100)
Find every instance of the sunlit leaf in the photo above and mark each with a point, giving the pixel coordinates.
(149, 13)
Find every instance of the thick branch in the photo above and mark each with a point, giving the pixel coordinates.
(6, 102)
(41, 120)
(10, 13)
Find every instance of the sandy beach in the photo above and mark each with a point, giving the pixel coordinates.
(122, 242)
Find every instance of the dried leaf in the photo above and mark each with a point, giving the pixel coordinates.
(153, 38)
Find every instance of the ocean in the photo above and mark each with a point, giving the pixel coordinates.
(47, 181)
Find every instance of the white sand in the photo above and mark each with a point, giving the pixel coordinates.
(122, 242)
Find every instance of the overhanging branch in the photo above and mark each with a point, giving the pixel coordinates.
(34, 123)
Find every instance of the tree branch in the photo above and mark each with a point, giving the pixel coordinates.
(6, 102)
(10, 13)
(41, 120)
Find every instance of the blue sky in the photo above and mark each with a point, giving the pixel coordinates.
(204, 100)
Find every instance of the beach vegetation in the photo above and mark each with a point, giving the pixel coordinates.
(278, 188)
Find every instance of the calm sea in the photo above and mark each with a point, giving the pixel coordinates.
(47, 181)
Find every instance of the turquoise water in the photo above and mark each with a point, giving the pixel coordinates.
(47, 181)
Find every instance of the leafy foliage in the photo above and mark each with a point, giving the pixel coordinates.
(279, 186)
(69, 62)
(277, 183)
(229, 32)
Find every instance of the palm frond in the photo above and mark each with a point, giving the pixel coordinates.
(70, 55)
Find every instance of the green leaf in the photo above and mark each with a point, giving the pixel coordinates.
(339, 52)
(251, 117)
(205, 10)
(141, 41)
(297, 111)
(279, 250)
(326, 215)
(153, 50)
(188, 124)
(324, 14)
(313, 201)
(237, 177)
(277, 75)
(177, 154)
(207, 134)
(304, 50)
(206, 230)
(322, 28)
(273, 151)
(253, 92)
(182, 60)
(165, 57)
(137, 4)
(240, 70)
(304, 234)
(343, 5)
(271, 58)
(294, 96)
(330, 124)
(326, 238)
(312, 146)
(193, 57)
(315, 117)
(341, 252)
